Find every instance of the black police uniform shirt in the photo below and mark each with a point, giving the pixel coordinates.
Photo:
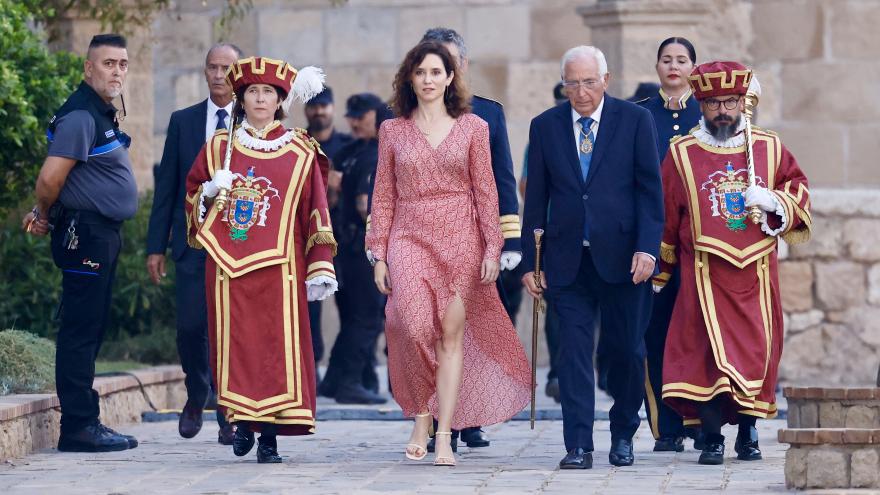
(85, 129)
(671, 124)
(334, 144)
(358, 163)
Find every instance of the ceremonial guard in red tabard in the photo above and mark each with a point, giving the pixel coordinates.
(270, 250)
(725, 338)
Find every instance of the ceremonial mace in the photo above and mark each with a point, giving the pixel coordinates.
(223, 196)
(537, 308)
(753, 94)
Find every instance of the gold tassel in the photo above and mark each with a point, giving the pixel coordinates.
(667, 253)
(798, 236)
(323, 237)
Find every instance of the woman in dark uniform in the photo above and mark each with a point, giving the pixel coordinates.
(675, 113)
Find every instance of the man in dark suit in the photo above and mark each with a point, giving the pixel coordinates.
(188, 130)
(594, 187)
(508, 205)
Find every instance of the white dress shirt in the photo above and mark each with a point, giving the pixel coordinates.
(211, 121)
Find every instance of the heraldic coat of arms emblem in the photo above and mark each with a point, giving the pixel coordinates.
(726, 190)
(248, 204)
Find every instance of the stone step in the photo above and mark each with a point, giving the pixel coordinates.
(832, 457)
(826, 407)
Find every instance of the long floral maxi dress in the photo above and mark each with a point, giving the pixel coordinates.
(434, 220)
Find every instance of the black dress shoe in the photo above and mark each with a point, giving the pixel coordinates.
(552, 390)
(370, 379)
(91, 438)
(226, 435)
(474, 437)
(267, 451)
(132, 441)
(746, 445)
(669, 444)
(453, 443)
(190, 422)
(330, 383)
(621, 453)
(243, 440)
(356, 394)
(713, 453)
(577, 459)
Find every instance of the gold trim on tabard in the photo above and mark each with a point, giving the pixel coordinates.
(710, 317)
(303, 158)
(738, 257)
(651, 404)
(293, 398)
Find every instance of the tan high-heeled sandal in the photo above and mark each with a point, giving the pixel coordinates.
(422, 448)
(443, 460)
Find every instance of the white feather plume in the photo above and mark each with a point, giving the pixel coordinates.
(308, 83)
(754, 86)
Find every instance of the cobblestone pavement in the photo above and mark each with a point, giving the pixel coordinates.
(366, 457)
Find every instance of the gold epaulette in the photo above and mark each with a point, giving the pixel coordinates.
(307, 139)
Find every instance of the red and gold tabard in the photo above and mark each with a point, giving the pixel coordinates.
(273, 236)
(725, 336)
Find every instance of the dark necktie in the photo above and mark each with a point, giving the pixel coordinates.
(221, 118)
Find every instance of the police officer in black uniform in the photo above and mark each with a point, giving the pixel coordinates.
(319, 116)
(85, 191)
(508, 205)
(349, 378)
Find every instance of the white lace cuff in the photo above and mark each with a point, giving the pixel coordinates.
(320, 288)
(780, 210)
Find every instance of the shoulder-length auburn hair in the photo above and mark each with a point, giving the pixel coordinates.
(404, 100)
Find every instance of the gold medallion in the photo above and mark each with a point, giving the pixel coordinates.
(586, 145)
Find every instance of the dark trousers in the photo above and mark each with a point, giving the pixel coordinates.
(624, 310)
(87, 274)
(551, 332)
(315, 326)
(663, 420)
(360, 320)
(192, 327)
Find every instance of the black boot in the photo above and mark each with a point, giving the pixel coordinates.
(267, 451)
(713, 453)
(746, 445)
(330, 382)
(370, 378)
(243, 441)
(91, 438)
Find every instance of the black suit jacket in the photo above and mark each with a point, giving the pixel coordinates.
(185, 138)
(621, 199)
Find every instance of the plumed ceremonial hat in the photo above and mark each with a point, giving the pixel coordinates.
(714, 79)
(301, 84)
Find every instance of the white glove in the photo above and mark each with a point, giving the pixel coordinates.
(510, 259)
(222, 180)
(760, 197)
(657, 288)
(320, 288)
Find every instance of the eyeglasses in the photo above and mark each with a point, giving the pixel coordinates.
(713, 104)
(586, 83)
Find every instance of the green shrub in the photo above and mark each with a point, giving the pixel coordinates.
(142, 316)
(27, 363)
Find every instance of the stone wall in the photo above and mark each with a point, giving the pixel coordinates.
(30, 422)
(831, 293)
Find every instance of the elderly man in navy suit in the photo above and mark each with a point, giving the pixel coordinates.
(188, 130)
(594, 187)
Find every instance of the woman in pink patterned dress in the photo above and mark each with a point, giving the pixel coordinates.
(452, 351)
